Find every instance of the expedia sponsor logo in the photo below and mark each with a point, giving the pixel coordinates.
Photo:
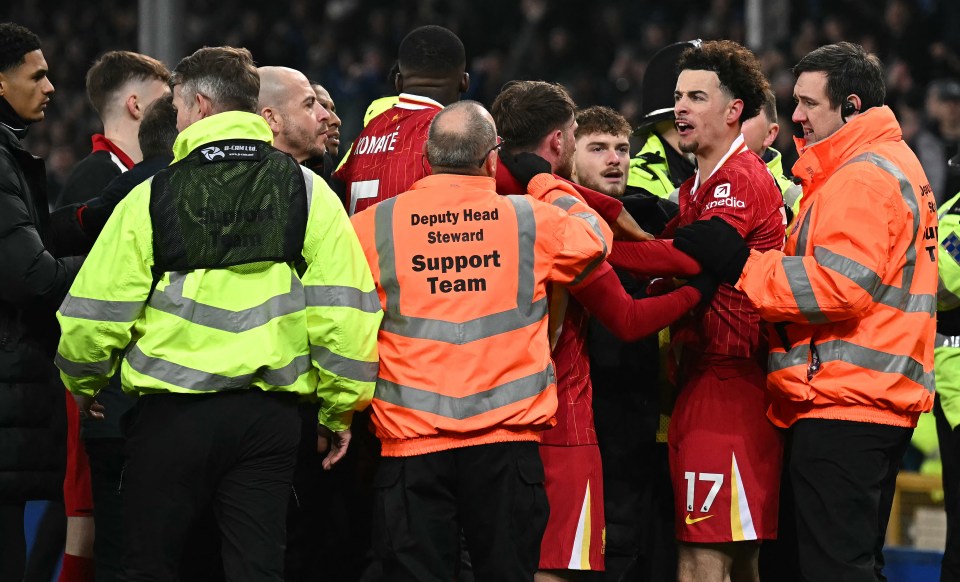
(722, 191)
(730, 202)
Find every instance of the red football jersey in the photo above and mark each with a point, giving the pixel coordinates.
(387, 157)
(744, 193)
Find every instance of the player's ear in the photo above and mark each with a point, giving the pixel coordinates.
(772, 133)
(464, 83)
(735, 111)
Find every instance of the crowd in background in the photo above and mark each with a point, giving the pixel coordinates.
(598, 51)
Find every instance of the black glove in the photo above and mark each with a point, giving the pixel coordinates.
(94, 217)
(645, 209)
(66, 233)
(525, 165)
(705, 284)
(716, 245)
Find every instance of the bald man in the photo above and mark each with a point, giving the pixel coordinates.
(289, 105)
(468, 458)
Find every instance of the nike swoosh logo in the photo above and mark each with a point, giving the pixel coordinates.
(691, 521)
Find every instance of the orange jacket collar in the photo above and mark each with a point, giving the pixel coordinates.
(464, 181)
(824, 157)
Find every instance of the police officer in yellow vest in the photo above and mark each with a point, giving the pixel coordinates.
(658, 167)
(236, 285)
(947, 367)
(759, 132)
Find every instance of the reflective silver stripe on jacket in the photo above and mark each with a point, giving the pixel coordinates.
(853, 354)
(343, 366)
(82, 369)
(803, 232)
(200, 381)
(466, 406)
(527, 311)
(795, 356)
(802, 289)
(101, 309)
(171, 300)
(897, 297)
(566, 202)
(308, 183)
(945, 296)
(871, 282)
(341, 296)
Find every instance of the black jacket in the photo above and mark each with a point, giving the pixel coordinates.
(33, 283)
(88, 178)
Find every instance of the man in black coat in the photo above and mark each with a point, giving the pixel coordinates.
(33, 282)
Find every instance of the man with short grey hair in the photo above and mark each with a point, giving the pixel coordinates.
(219, 329)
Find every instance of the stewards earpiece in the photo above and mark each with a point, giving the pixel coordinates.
(847, 109)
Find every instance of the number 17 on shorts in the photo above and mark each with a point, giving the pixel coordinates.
(715, 507)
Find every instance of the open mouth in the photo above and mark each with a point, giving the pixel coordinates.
(614, 176)
(683, 128)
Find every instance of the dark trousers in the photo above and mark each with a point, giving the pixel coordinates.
(950, 456)
(778, 558)
(338, 500)
(493, 492)
(13, 544)
(234, 452)
(843, 476)
(106, 465)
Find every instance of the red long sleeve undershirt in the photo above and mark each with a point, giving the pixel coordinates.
(627, 318)
(652, 258)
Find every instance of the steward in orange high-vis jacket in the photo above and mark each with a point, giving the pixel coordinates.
(855, 297)
(466, 383)
(851, 303)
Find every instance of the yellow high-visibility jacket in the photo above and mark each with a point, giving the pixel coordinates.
(210, 330)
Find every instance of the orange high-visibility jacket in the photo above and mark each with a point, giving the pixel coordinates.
(461, 273)
(853, 299)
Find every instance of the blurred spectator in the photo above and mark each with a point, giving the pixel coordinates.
(928, 147)
(943, 110)
(599, 54)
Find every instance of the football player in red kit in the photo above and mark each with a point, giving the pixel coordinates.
(725, 456)
(387, 157)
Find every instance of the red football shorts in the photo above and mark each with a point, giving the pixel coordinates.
(725, 457)
(575, 535)
(77, 492)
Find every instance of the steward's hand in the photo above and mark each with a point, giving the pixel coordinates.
(89, 408)
(339, 444)
(525, 165)
(716, 245)
(324, 436)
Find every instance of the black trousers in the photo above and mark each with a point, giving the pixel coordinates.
(843, 476)
(950, 456)
(234, 452)
(493, 492)
(13, 544)
(106, 466)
